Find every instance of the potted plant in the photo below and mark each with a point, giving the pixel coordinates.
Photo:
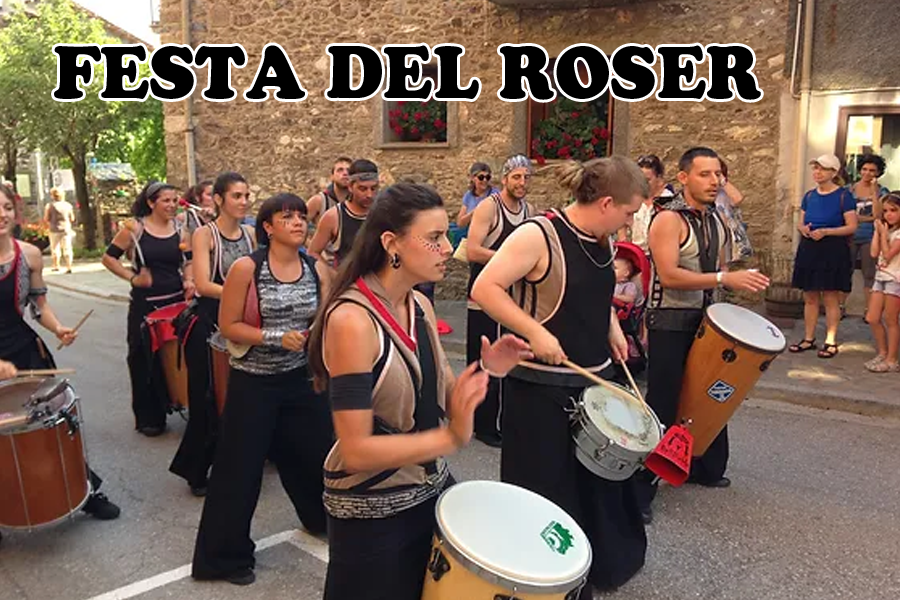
(419, 121)
(782, 299)
(571, 130)
(36, 234)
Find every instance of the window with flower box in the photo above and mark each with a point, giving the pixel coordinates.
(415, 121)
(565, 129)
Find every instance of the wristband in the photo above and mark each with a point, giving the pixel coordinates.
(492, 374)
(272, 337)
(720, 276)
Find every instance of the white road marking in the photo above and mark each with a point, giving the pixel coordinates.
(310, 545)
(295, 537)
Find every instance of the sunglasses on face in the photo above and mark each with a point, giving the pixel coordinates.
(483, 177)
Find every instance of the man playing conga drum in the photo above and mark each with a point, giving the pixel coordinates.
(688, 243)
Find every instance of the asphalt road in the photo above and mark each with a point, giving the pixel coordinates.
(812, 512)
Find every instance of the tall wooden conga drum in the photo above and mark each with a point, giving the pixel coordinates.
(733, 348)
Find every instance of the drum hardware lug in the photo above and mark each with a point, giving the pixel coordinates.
(505, 597)
(765, 366)
(72, 423)
(701, 331)
(729, 355)
(438, 565)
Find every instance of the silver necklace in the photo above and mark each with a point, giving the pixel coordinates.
(612, 253)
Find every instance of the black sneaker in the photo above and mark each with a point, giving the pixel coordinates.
(241, 577)
(99, 507)
(152, 431)
(199, 490)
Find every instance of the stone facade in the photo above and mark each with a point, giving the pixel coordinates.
(282, 146)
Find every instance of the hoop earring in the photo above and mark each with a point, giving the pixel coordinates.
(395, 261)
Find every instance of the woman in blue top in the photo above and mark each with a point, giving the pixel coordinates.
(866, 192)
(479, 188)
(822, 265)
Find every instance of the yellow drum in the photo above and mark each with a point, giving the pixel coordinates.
(499, 541)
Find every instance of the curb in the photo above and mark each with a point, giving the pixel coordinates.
(88, 291)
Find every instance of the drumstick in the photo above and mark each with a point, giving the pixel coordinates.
(77, 327)
(599, 380)
(634, 386)
(45, 372)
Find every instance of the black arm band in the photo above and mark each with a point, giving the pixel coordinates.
(188, 256)
(351, 392)
(114, 251)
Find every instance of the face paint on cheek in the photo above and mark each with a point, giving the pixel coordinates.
(434, 247)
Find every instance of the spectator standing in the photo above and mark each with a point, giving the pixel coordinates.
(60, 219)
(866, 193)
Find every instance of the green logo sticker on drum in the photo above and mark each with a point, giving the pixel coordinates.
(720, 391)
(558, 537)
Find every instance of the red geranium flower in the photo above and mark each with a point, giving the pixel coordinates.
(414, 130)
(567, 137)
(575, 114)
(540, 160)
(604, 133)
(417, 116)
(398, 130)
(594, 141)
(578, 143)
(439, 123)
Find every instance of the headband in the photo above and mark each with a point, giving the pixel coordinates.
(364, 176)
(155, 188)
(517, 161)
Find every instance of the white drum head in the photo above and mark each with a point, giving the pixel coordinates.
(622, 418)
(746, 327)
(513, 533)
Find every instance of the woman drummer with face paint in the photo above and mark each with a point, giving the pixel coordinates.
(398, 409)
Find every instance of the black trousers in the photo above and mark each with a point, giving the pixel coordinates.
(198, 446)
(487, 415)
(665, 374)
(380, 559)
(37, 356)
(539, 455)
(149, 396)
(274, 416)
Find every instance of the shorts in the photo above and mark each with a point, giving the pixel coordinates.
(61, 242)
(891, 288)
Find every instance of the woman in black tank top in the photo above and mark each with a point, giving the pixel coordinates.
(216, 247)
(160, 275)
(560, 269)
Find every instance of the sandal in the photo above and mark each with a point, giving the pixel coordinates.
(828, 351)
(803, 346)
(875, 361)
(885, 367)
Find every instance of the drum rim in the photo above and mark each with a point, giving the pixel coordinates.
(737, 341)
(477, 567)
(41, 424)
(582, 417)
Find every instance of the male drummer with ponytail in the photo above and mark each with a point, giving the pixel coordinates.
(375, 346)
(560, 266)
(22, 287)
(688, 245)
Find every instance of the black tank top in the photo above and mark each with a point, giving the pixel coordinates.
(580, 318)
(349, 225)
(164, 259)
(15, 334)
(506, 225)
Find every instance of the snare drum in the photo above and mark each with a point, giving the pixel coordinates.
(613, 432)
(43, 470)
(496, 540)
(221, 368)
(166, 342)
(733, 348)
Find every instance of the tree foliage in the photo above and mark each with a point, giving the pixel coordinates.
(121, 131)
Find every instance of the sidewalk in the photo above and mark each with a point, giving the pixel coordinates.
(840, 383)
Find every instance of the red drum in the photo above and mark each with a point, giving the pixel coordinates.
(165, 341)
(221, 369)
(43, 469)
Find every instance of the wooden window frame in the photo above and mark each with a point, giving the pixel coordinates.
(858, 110)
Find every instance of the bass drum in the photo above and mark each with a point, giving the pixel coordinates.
(43, 468)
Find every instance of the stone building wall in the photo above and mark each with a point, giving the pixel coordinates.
(282, 146)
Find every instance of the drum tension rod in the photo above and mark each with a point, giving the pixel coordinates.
(438, 565)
